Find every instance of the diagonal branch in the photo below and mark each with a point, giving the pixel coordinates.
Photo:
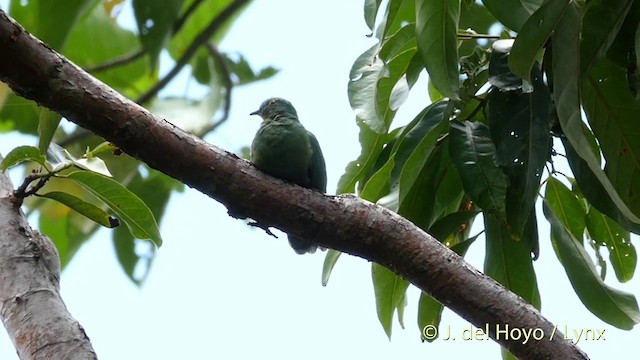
(200, 40)
(344, 223)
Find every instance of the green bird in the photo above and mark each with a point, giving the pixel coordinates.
(283, 148)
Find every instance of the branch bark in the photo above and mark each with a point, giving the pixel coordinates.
(345, 223)
(30, 304)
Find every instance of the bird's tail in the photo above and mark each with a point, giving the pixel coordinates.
(302, 246)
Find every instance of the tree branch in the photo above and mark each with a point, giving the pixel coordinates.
(30, 304)
(345, 223)
(201, 39)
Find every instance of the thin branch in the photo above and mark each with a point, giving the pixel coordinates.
(220, 61)
(116, 62)
(201, 39)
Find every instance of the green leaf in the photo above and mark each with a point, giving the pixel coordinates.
(155, 21)
(610, 305)
(611, 110)
(600, 25)
(47, 126)
(370, 12)
(429, 315)
(622, 253)
(50, 21)
(519, 125)
(244, 73)
(390, 292)
(372, 145)
(593, 190)
(508, 260)
(108, 41)
(134, 257)
(378, 184)
(566, 94)
(397, 14)
(533, 35)
(473, 155)
(436, 35)
(420, 143)
(20, 155)
(365, 73)
(127, 206)
(330, 261)
(419, 205)
(512, 13)
(18, 113)
(82, 207)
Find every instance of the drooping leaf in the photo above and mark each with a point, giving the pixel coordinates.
(611, 111)
(566, 82)
(436, 35)
(370, 12)
(47, 125)
(365, 73)
(474, 156)
(390, 292)
(610, 305)
(533, 35)
(127, 206)
(82, 207)
(519, 125)
(330, 261)
(20, 155)
(508, 260)
(622, 254)
(418, 144)
(135, 256)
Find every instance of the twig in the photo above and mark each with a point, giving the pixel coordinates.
(116, 62)
(228, 84)
(202, 38)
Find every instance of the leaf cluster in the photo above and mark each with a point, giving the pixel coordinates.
(92, 35)
(519, 91)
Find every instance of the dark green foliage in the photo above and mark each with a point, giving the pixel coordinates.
(485, 142)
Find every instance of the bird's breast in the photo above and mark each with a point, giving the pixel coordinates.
(283, 151)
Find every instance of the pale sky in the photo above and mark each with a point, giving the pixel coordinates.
(219, 289)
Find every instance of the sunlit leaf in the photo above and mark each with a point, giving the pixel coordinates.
(436, 34)
(622, 254)
(127, 206)
(610, 305)
(82, 207)
(20, 155)
(390, 292)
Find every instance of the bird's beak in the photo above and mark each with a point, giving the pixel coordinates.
(257, 112)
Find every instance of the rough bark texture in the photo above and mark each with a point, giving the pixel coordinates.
(345, 223)
(30, 304)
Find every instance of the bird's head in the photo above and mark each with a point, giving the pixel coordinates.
(274, 107)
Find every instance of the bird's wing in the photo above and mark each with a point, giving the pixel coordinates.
(318, 169)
